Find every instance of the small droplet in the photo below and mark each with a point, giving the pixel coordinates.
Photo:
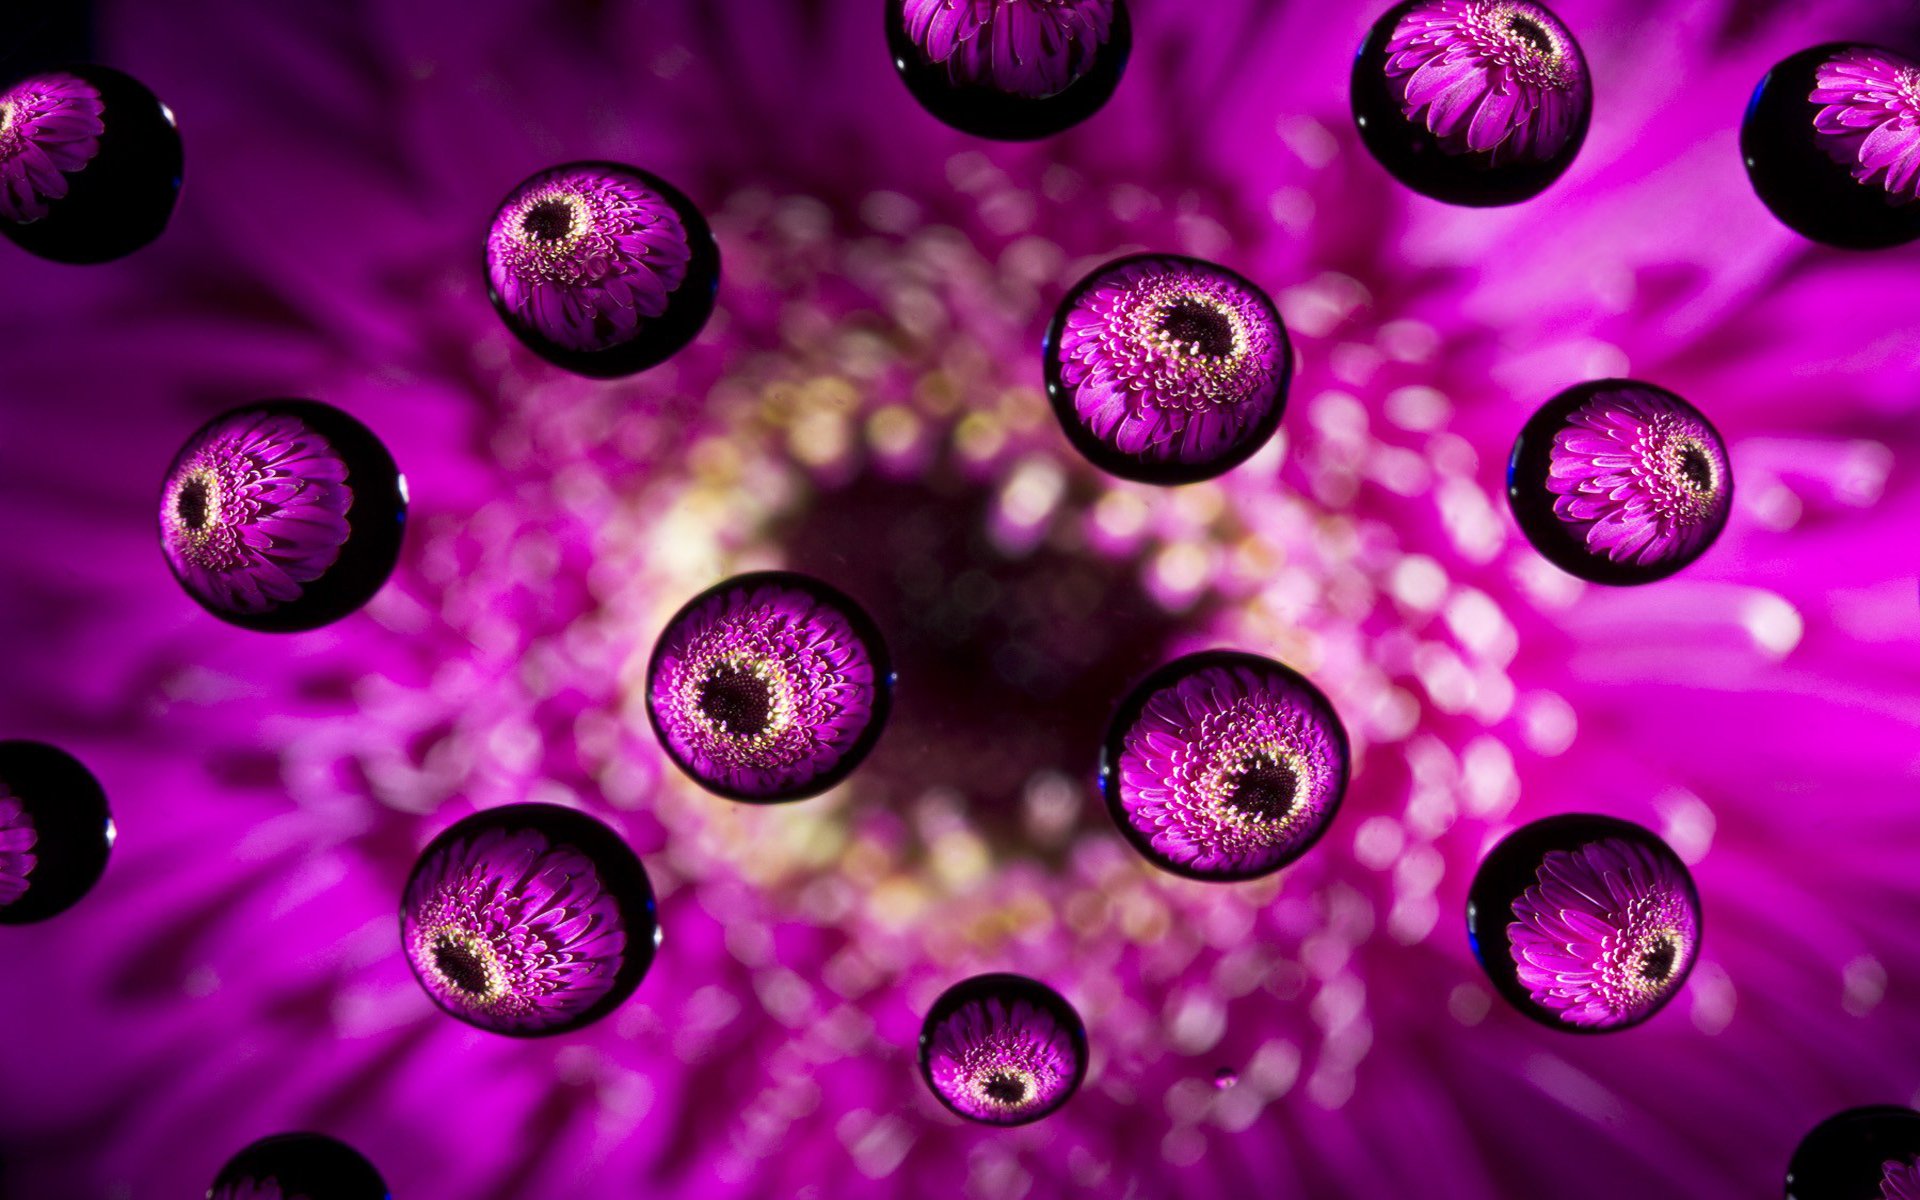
(298, 1165)
(1002, 1049)
(90, 164)
(1225, 1078)
(282, 516)
(1013, 70)
(1868, 1153)
(1586, 924)
(528, 920)
(1831, 146)
(1475, 104)
(55, 832)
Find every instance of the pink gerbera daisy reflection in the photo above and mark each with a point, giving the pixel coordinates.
(1869, 118)
(1031, 48)
(1501, 78)
(50, 128)
(1900, 1180)
(17, 839)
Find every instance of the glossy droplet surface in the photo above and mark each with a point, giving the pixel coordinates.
(90, 164)
(298, 1166)
(1870, 1153)
(601, 268)
(529, 920)
(1167, 369)
(1585, 923)
(1475, 102)
(282, 516)
(1224, 766)
(1010, 69)
(55, 831)
(1831, 142)
(1620, 482)
(769, 686)
(1002, 1049)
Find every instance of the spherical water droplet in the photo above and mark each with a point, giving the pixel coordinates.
(1225, 1078)
(55, 832)
(290, 1165)
(1861, 1154)
(1002, 1049)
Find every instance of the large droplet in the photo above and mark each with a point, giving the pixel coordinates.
(298, 1166)
(1868, 1153)
(1002, 1049)
(55, 832)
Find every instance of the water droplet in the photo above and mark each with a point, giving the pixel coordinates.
(529, 920)
(1225, 1078)
(1476, 104)
(298, 1164)
(1585, 923)
(282, 516)
(1868, 1153)
(55, 832)
(602, 269)
(1002, 1049)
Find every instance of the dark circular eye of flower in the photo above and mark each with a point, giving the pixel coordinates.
(601, 268)
(55, 832)
(1167, 369)
(1477, 102)
(1831, 142)
(1870, 1153)
(1002, 1049)
(529, 920)
(1620, 482)
(769, 686)
(1224, 766)
(1010, 69)
(90, 164)
(1584, 923)
(298, 1166)
(282, 516)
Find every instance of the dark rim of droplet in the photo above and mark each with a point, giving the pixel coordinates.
(548, 221)
(191, 505)
(736, 700)
(1198, 328)
(1656, 965)
(1005, 1088)
(1265, 789)
(1530, 31)
(460, 965)
(1695, 470)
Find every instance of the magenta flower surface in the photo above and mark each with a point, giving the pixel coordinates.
(1168, 369)
(1031, 48)
(17, 838)
(866, 407)
(1900, 1180)
(587, 255)
(1607, 933)
(253, 510)
(769, 687)
(1869, 118)
(1003, 1050)
(1226, 766)
(1499, 78)
(50, 128)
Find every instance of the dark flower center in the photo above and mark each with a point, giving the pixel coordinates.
(1695, 471)
(460, 966)
(1198, 328)
(191, 504)
(1005, 1088)
(1266, 790)
(1528, 31)
(1656, 965)
(736, 700)
(547, 221)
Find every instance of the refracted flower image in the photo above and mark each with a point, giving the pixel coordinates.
(604, 269)
(49, 129)
(769, 686)
(282, 516)
(1224, 766)
(298, 1166)
(1477, 102)
(1010, 69)
(1831, 142)
(867, 407)
(55, 831)
(1620, 482)
(1585, 923)
(1870, 1153)
(90, 164)
(529, 920)
(1002, 1049)
(1167, 369)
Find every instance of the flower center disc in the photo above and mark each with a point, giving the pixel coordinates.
(736, 700)
(1266, 790)
(1656, 965)
(1527, 31)
(548, 221)
(1695, 471)
(191, 505)
(1003, 1088)
(461, 967)
(1198, 329)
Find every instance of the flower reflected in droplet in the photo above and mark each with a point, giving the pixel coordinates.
(1900, 1180)
(50, 128)
(1003, 1049)
(1869, 118)
(17, 838)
